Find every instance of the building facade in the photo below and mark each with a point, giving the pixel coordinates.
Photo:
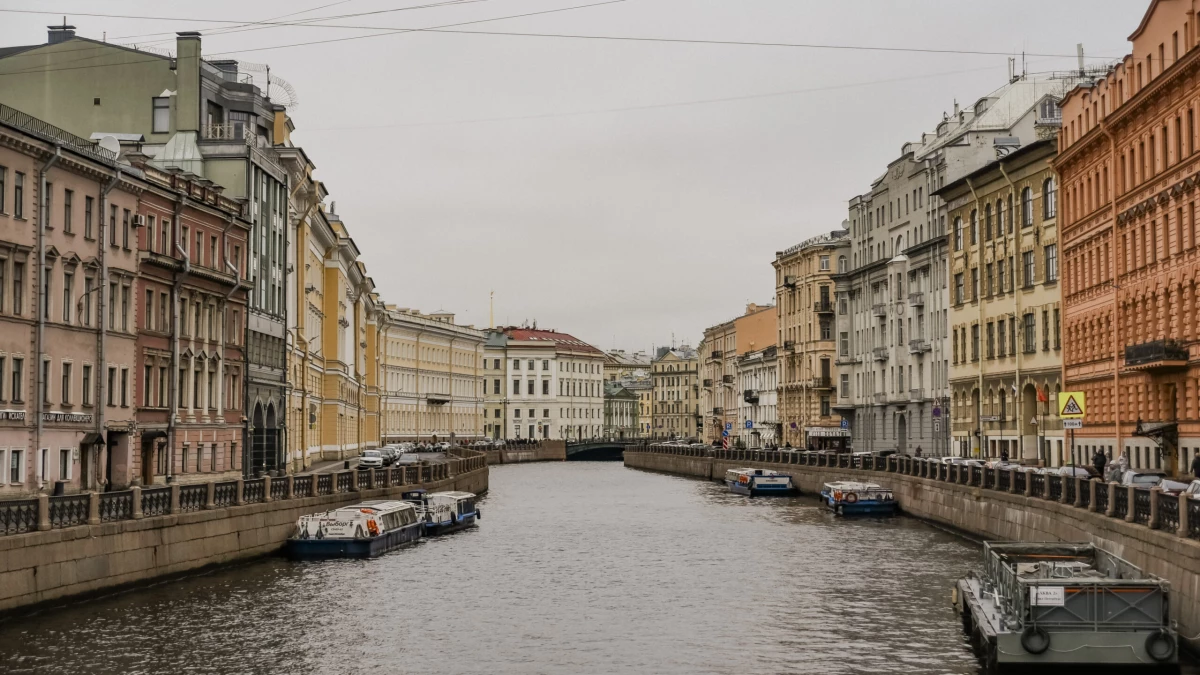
(758, 412)
(805, 308)
(620, 411)
(675, 403)
(550, 384)
(621, 365)
(1005, 318)
(433, 378)
(192, 311)
(68, 322)
(1127, 161)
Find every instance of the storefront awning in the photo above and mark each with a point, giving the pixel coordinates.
(92, 438)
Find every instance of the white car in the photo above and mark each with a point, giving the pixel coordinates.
(1193, 490)
(1146, 479)
(370, 459)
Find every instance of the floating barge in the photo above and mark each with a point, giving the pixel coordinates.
(853, 498)
(1065, 604)
(757, 482)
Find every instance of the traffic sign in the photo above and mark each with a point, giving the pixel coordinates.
(1072, 424)
(937, 424)
(725, 433)
(1072, 404)
(728, 426)
(845, 423)
(749, 424)
(937, 412)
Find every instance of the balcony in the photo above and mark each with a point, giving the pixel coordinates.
(822, 382)
(880, 353)
(717, 412)
(916, 299)
(1156, 355)
(918, 346)
(789, 281)
(879, 309)
(708, 383)
(847, 360)
(880, 398)
(750, 396)
(916, 395)
(823, 307)
(716, 354)
(789, 344)
(727, 379)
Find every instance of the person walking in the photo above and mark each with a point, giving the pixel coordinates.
(1004, 455)
(1196, 466)
(918, 451)
(1099, 460)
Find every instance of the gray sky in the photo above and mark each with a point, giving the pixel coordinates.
(621, 227)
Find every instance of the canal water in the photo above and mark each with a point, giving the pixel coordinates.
(576, 568)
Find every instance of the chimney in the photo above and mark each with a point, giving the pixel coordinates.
(187, 80)
(61, 33)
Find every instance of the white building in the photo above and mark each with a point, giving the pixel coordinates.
(542, 384)
(758, 415)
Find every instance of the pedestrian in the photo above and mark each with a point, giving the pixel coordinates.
(1196, 466)
(1099, 460)
(1004, 455)
(918, 451)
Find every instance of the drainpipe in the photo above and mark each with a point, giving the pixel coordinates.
(979, 255)
(1018, 402)
(43, 215)
(1116, 305)
(101, 328)
(173, 392)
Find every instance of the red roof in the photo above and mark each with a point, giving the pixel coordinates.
(562, 341)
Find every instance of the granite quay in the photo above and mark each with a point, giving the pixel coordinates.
(60, 546)
(1157, 532)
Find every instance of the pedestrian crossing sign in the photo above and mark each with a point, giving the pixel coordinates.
(1071, 404)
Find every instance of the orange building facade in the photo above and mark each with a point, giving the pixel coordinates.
(1128, 165)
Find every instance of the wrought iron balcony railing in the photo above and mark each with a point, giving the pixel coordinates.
(1159, 354)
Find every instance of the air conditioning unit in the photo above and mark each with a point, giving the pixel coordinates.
(139, 220)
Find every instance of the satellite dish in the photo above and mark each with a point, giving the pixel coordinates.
(277, 89)
(111, 144)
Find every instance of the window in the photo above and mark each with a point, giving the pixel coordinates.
(974, 227)
(824, 262)
(975, 342)
(18, 380)
(844, 344)
(516, 386)
(1045, 330)
(495, 364)
(19, 196)
(517, 413)
(68, 286)
(991, 340)
(545, 387)
(1000, 337)
(124, 387)
(825, 407)
(212, 253)
(15, 466)
(147, 373)
(1000, 276)
(112, 225)
(958, 288)
(112, 306)
(18, 288)
(3, 181)
(3, 280)
(529, 387)
(844, 389)
(495, 386)
(1057, 333)
(1026, 207)
(87, 385)
(89, 206)
(68, 200)
(64, 464)
(125, 230)
(88, 287)
(1049, 199)
(45, 380)
(1030, 325)
(66, 384)
(1051, 263)
(1027, 269)
(545, 364)
(974, 284)
(958, 234)
(530, 364)
(162, 386)
(161, 110)
(516, 364)
(112, 385)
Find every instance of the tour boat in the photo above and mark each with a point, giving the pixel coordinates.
(362, 530)
(756, 482)
(854, 498)
(443, 512)
(1063, 604)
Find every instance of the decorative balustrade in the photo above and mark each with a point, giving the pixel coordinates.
(1102, 497)
(116, 506)
(1121, 504)
(156, 501)
(193, 497)
(18, 516)
(1038, 486)
(1068, 486)
(1193, 518)
(68, 510)
(1168, 512)
(1085, 493)
(1019, 481)
(253, 490)
(1055, 487)
(1141, 506)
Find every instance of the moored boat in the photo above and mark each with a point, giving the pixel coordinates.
(444, 512)
(362, 530)
(850, 498)
(1065, 604)
(756, 482)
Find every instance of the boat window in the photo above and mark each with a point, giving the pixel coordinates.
(466, 506)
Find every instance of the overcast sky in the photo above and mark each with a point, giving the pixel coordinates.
(627, 203)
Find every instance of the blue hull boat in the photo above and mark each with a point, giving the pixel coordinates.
(848, 498)
(318, 549)
(759, 482)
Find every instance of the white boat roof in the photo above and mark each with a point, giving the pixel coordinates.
(377, 505)
(759, 472)
(454, 495)
(853, 485)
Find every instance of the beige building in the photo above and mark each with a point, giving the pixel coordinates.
(432, 378)
(621, 365)
(719, 351)
(676, 406)
(1006, 364)
(805, 302)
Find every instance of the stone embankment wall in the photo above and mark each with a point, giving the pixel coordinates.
(42, 566)
(545, 451)
(992, 515)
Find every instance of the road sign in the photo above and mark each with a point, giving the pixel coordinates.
(937, 412)
(1072, 404)
(937, 424)
(725, 433)
(728, 426)
(845, 423)
(1072, 424)
(749, 424)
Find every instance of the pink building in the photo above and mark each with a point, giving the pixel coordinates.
(68, 270)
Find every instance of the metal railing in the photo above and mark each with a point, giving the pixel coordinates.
(1157, 351)
(1056, 487)
(193, 497)
(253, 490)
(116, 506)
(156, 501)
(225, 494)
(68, 510)
(1141, 506)
(32, 125)
(1120, 504)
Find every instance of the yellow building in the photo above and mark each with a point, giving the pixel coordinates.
(676, 402)
(431, 384)
(804, 295)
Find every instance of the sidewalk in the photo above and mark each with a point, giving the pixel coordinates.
(328, 466)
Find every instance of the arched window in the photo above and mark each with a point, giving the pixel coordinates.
(842, 265)
(1026, 207)
(1049, 198)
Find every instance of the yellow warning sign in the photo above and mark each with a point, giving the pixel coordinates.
(1071, 404)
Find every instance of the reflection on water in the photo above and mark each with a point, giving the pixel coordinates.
(576, 568)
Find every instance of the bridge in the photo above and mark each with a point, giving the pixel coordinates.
(598, 449)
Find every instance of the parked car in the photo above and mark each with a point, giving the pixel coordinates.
(1077, 470)
(482, 444)
(444, 445)
(389, 454)
(370, 459)
(407, 459)
(1145, 479)
(1193, 490)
